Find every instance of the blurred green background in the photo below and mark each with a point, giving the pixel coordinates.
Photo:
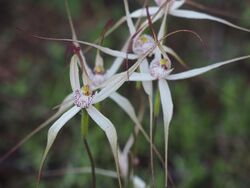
(209, 135)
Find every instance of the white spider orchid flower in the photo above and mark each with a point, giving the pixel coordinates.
(141, 44)
(175, 10)
(84, 98)
(160, 70)
(99, 77)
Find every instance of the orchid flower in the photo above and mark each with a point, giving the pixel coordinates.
(160, 70)
(99, 77)
(84, 98)
(175, 10)
(141, 44)
(67, 102)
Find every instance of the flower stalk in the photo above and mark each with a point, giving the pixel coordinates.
(84, 130)
(86, 146)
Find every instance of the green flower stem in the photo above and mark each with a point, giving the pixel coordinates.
(157, 104)
(84, 124)
(84, 127)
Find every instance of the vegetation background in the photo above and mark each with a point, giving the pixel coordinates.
(209, 135)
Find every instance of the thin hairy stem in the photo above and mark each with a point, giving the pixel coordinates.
(92, 162)
(84, 128)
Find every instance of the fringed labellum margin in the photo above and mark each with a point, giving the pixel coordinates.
(81, 100)
(160, 68)
(142, 44)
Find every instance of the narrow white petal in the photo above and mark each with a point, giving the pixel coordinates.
(167, 108)
(74, 73)
(136, 76)
(124, 103)
(111, 85)
(162, 29)
(123, 163)
(158, 53)
(98, 59)
(67, 102)
(144, 66)
(116, 81)
(198, 71)
(130, 23)
(111, 52)
(139, 61)
(115, 66)
(109, 129)
(154, 9)
(129, 109)
(55, 128)
(106, 125)
(143, 12)
(147, 85)
(166, 101)
(198, 15)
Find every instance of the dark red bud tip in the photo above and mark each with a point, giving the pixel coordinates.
(76, 49)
